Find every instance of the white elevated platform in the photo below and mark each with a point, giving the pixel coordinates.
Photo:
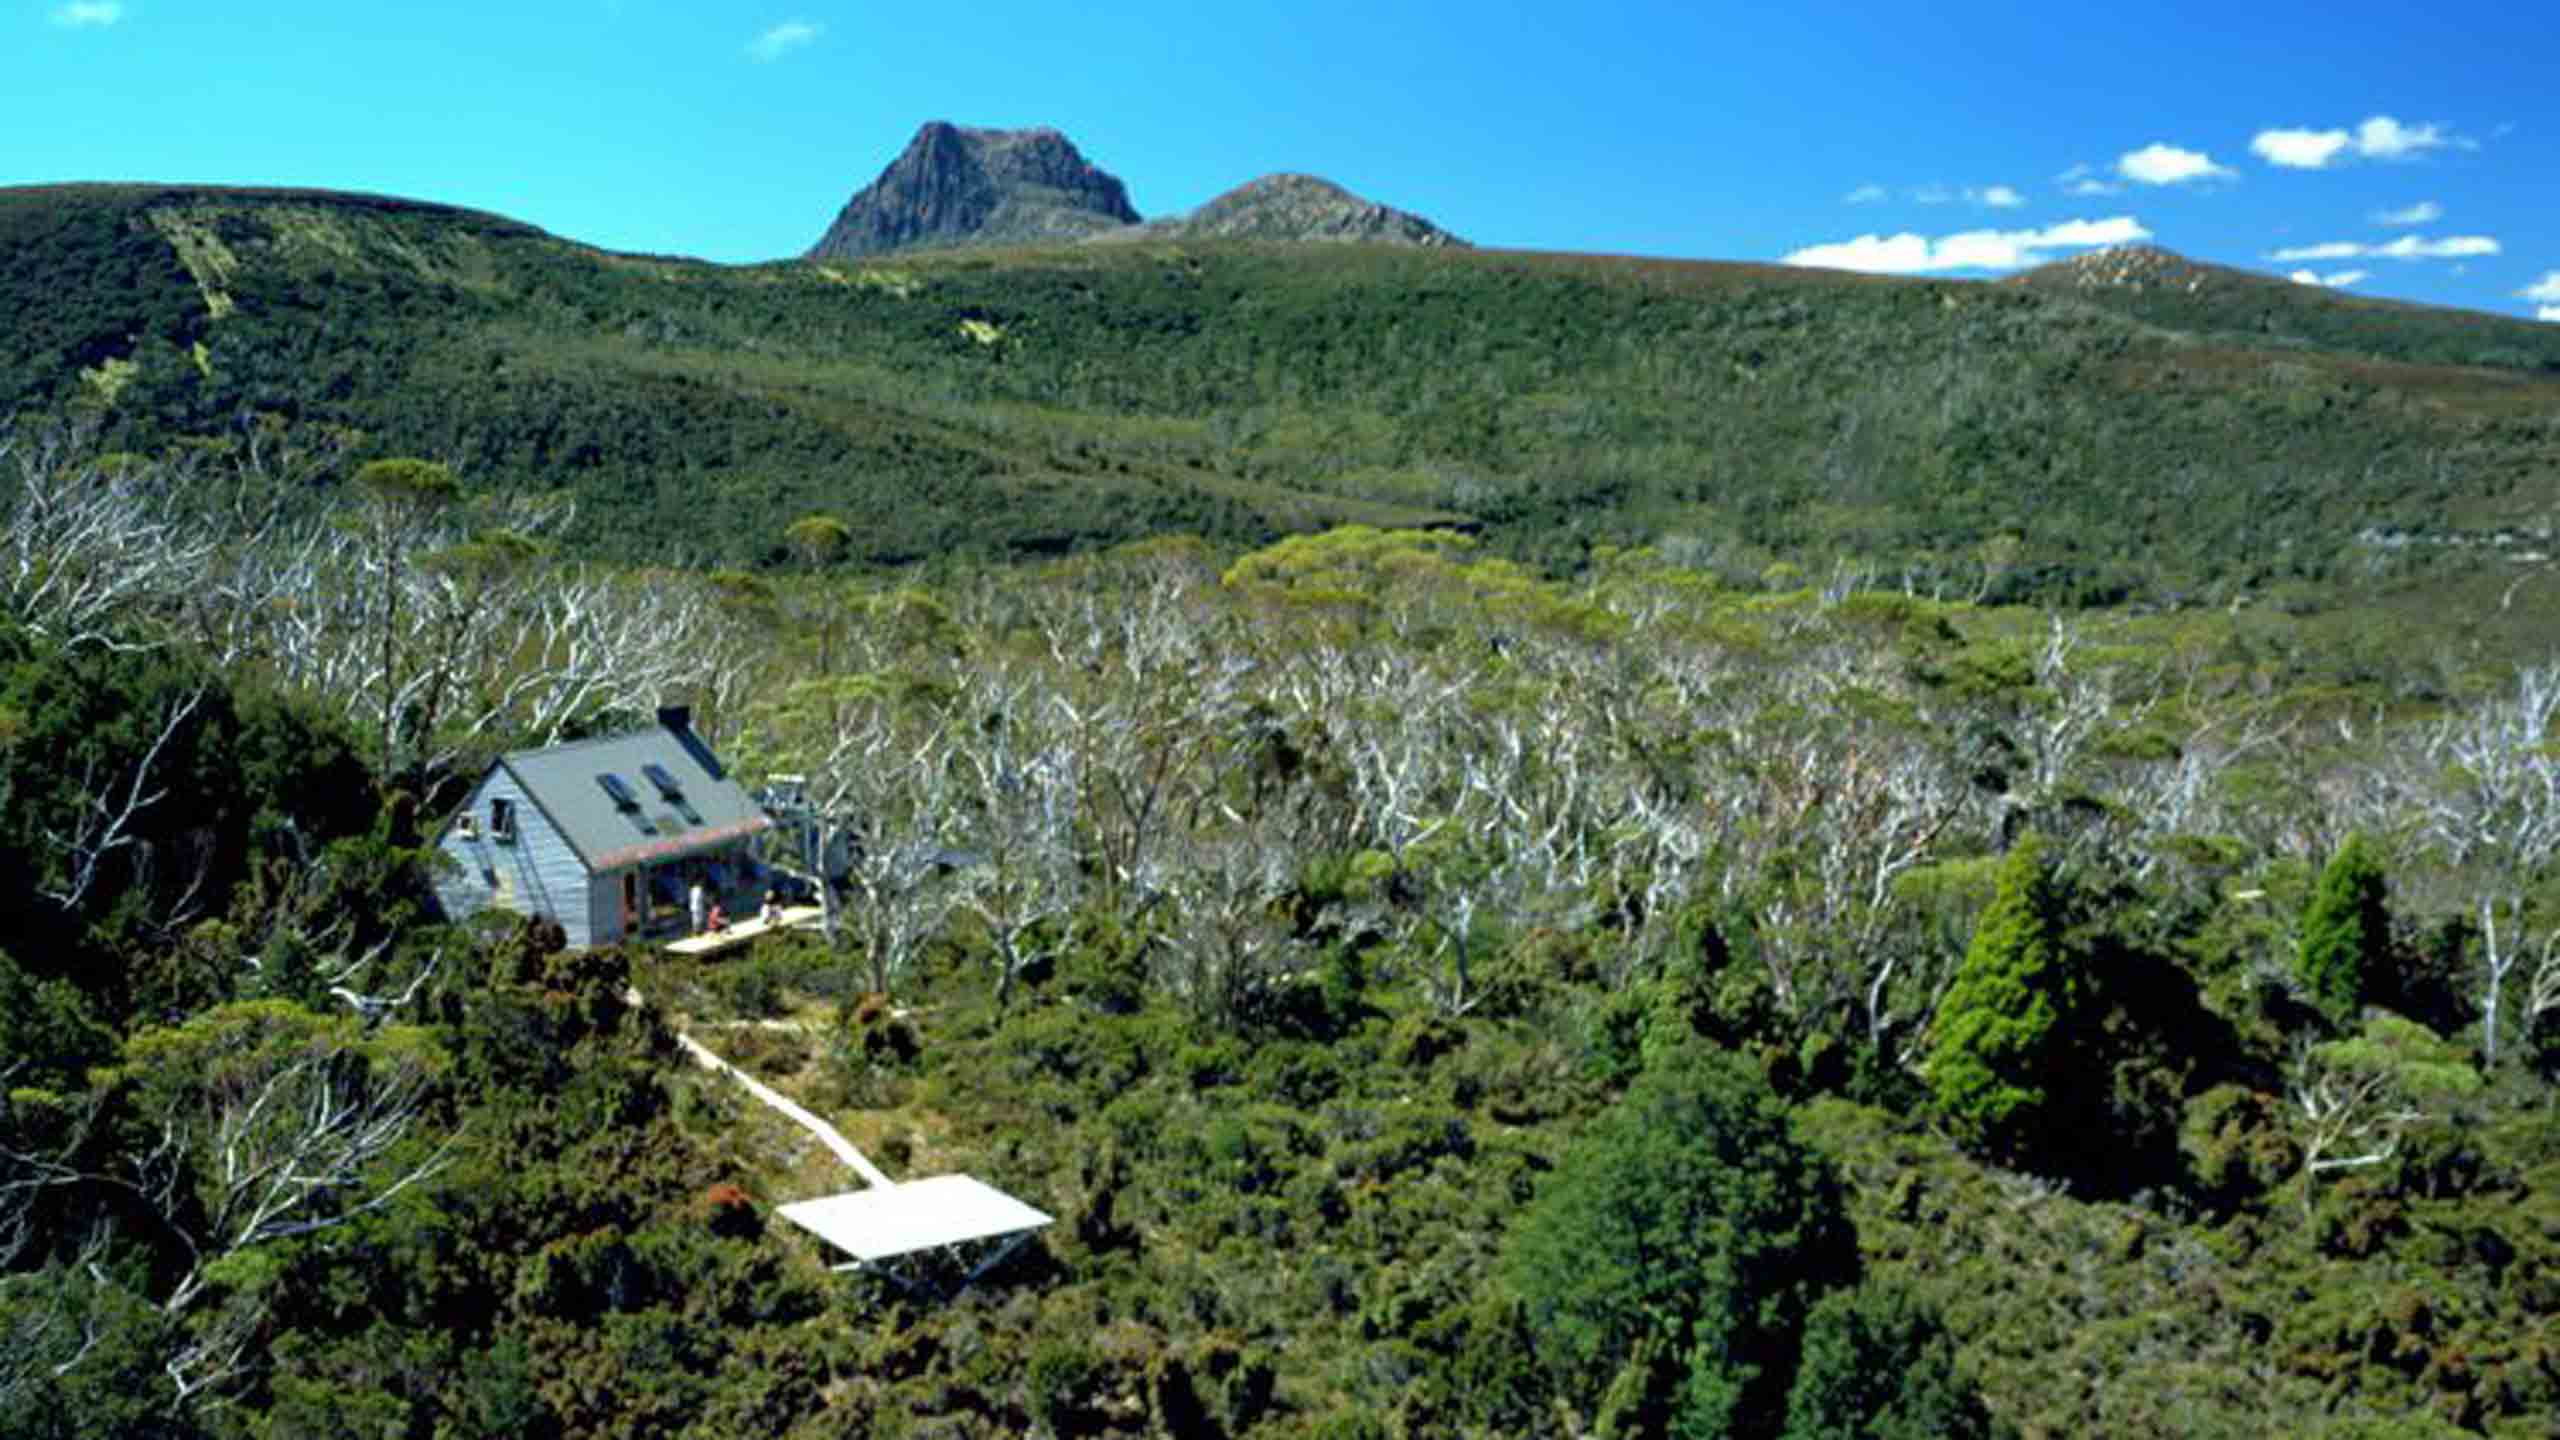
(934, 1236)
(955, 1217)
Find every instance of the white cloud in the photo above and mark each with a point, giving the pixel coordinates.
(1864, 195)
(782, 39)
(1903, 254)
(1985, 196)
(2380, 137)
(2334, 280)
(2161, 164)
(2383, 138)
(1989, 197)
(2451, 247)
(2083, 180)
(2422, 213)
(85, 14)
(2299, 149)
(2547, 312)
(1909, 254)
(2547, 289)
(2116, 230)
(2407, 247)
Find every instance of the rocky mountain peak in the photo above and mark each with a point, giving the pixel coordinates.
(2130, 267)
(954, 185)
(1303, 207)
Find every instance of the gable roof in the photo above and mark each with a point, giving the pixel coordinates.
(564, 781)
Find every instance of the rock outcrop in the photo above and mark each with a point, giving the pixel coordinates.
(1296, 208)
(957, 186)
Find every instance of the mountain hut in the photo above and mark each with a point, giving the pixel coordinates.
(606, 836)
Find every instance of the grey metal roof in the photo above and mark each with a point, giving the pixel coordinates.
(563, 780)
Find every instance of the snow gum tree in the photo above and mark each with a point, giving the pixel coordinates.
(2354, 1099)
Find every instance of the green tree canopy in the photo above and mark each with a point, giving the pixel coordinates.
(2004, 1022)
(409, 484)
(2346, 930)
(272, 1120)
(1666, 1267)
(1879, 1366)
(818, 540)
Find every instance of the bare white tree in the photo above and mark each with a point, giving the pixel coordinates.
(88, 540)
(54, 1321)
(881, 798)
(257, 1123)
(289, 906)
(1150, 755)
(2484, 789)
(277, 1131)
(1020, 788)
(29, 1169)
(493, 641)
(1224, 944)
(2183, 795)
(1824, 810)
(2075, 701)
(2542, 996)
(109, 810)
(2354, 1099)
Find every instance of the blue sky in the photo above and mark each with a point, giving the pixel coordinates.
(2385, 149)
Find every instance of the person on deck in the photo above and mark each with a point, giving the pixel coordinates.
(719, 918)
(700, 900)
(771, 914)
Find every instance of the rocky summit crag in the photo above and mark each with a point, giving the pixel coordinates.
(1296, 208)
(956, 186)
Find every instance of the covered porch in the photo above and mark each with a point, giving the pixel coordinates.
(650, 899)
(741, 932)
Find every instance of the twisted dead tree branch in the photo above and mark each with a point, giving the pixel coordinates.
(87, 540)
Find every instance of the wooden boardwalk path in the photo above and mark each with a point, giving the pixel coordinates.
(791, 1110)
(935, 1236)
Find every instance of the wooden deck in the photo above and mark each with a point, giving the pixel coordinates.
(794, 917)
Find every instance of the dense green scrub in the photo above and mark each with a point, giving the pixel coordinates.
(1689, 958)
(2018, 441)
(1433, 1000)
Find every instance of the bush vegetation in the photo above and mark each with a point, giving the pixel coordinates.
(2015, 442)
(1441, 983)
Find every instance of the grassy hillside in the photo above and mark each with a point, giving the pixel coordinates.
(2051, 441)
